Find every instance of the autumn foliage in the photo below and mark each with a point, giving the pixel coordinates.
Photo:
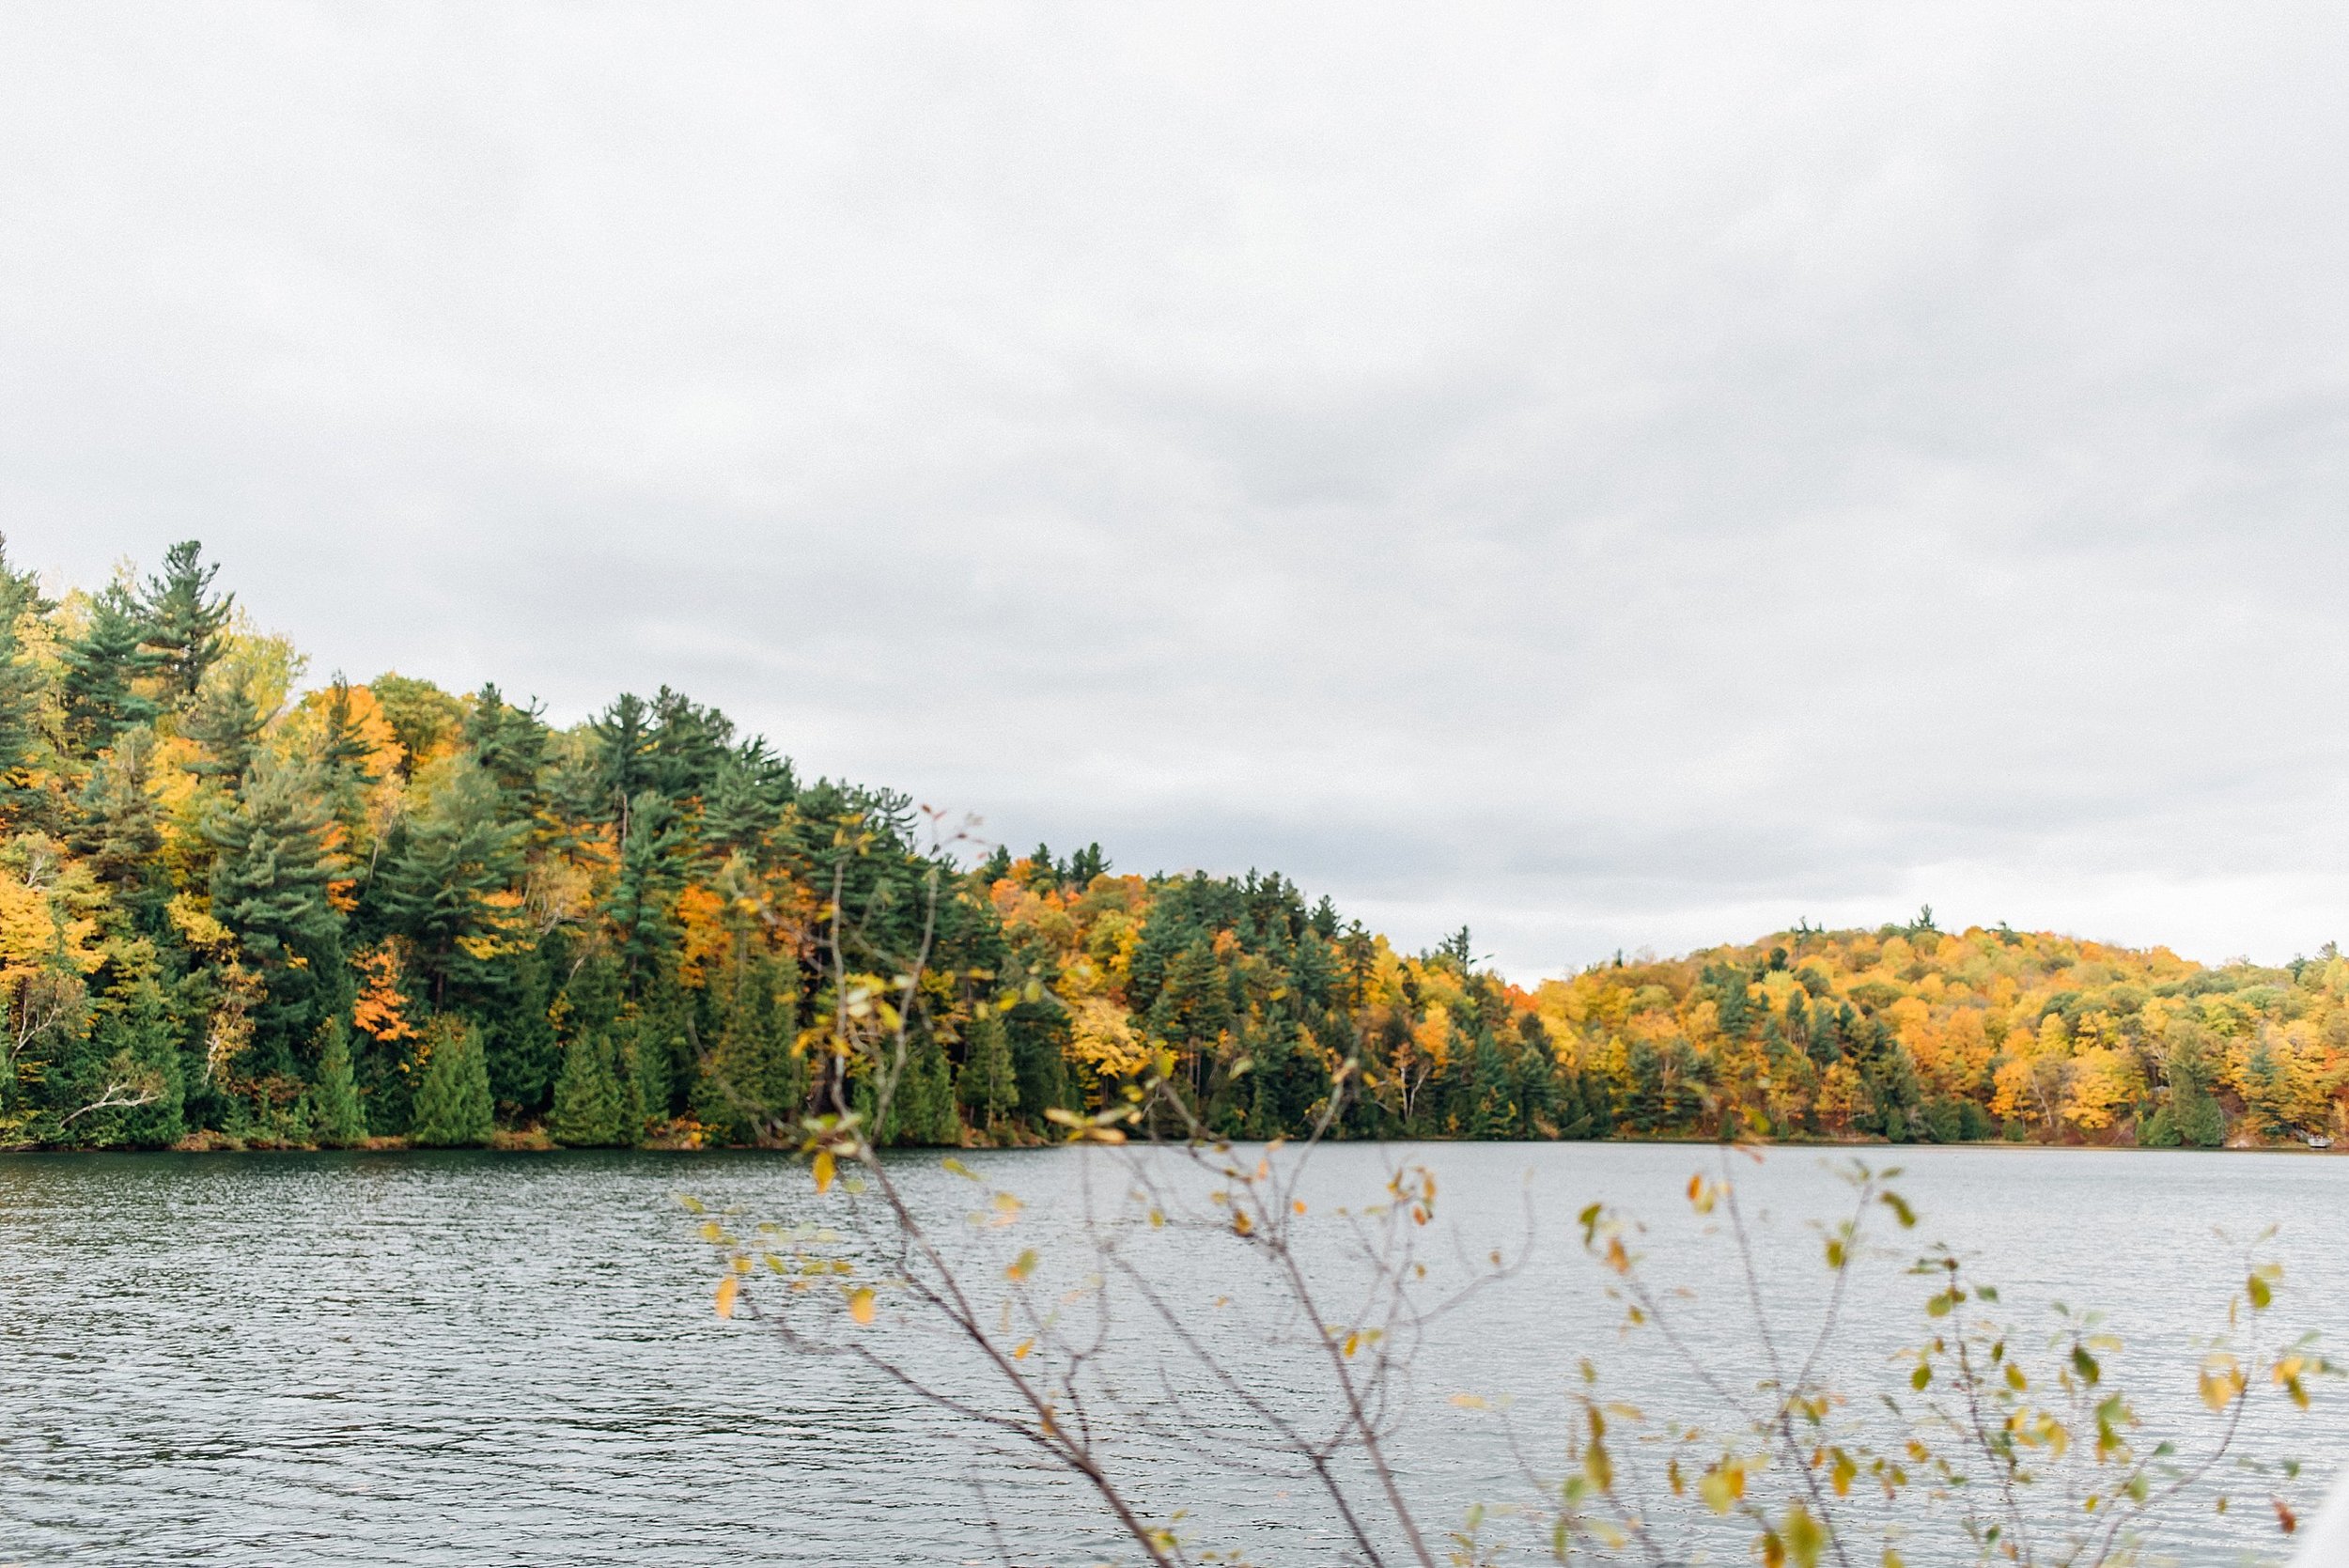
(242, 904)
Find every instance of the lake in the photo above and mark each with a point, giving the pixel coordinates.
(461, 1359)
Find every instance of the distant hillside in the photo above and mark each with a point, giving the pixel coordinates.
(1911, 1032)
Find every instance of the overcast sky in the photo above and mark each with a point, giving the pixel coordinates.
(1613, 476)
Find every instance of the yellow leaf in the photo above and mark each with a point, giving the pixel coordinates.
(824, 1169)
(1469, 1401)
(1805, 1537)
(860, 1305)
(1020, 1352)
(727, 1289)
(1022, 1266)
(2221, 1381)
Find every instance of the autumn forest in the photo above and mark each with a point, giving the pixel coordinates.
(243, 908)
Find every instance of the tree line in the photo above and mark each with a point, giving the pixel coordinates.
(240, 907)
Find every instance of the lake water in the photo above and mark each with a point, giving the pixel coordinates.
(483, 1359)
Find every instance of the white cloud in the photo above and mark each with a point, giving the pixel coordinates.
(1610, 477)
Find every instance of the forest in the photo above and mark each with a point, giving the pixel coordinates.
(241, 909)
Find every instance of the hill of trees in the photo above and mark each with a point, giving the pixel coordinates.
(239, 909)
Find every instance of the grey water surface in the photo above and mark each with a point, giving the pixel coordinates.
(458, 1359)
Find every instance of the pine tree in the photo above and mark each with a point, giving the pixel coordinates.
(130, 1058)
(270, 886)
(637, 1096)
(587, 1103)
(342, 755)
(185, 619)
(751, 1087)
(988, 1084)
(1085, 864)
(519, 1036)
(509, 743)
(103, 668)
(922, 1109)
(1493, 1112)
(642, 903)
(745, 803)
(453, 1106)
(1040, 1036)
(1194, 1007)
(444, 879)
(120, 830)
(228, 724)
(624, 740)
(1535, 1081)
(337, 1120)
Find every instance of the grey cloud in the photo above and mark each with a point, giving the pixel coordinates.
(1611, 478)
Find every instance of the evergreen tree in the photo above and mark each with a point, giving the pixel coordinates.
(509, 743)
(625, 763)
(643, 901)
(103, 669)
(228, 724)
(588, 1107)
(270, 886)
(445, 879)
(1038, 1037)
(747, 800)
(637, 1094)
(453, 1105)
(336, 1118)
(121, 829)
(129, 1067)
(1492, 1108)
(186, 621)
(342, 755)
(518, 1036)
(923, 1109)
(752, 1087)
(1193, 1010)
(1536, 1085)
(2192, 1117)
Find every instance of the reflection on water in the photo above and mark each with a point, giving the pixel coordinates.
(476, 1359)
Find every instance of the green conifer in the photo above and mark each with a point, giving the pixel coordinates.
(923, 1109)
(750, 1088)
(186, 621)
(643, 1085)
(989, 1084)
(102, 668)
(337, 1120)
(587, 1101)
(453, 1108)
